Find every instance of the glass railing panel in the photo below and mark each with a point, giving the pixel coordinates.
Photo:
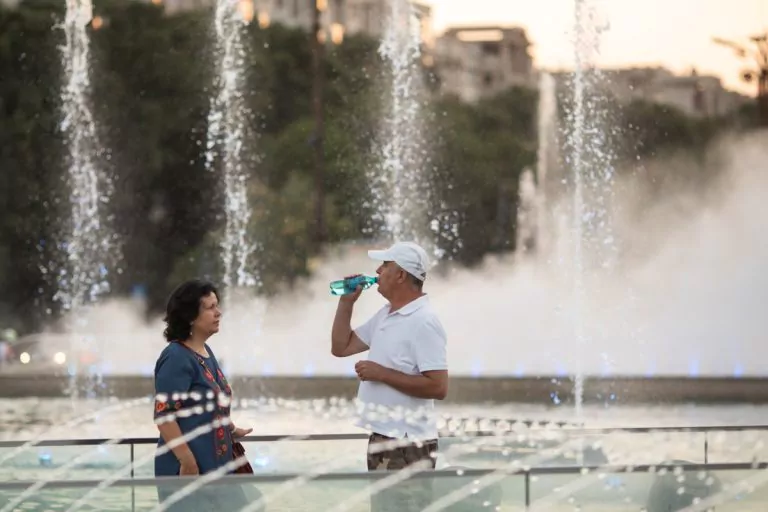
(73, 462)
(144, 460)
(737, 446)
(296, 456)
(482, 492)
(615, 491)
(286, 494)
(636, 448)
(113, 499)
(562, 448)
(294, 494)
(651, 490)
(743, 491)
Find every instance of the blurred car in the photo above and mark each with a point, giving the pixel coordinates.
(50, 351)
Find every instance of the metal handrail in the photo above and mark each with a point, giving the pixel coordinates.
(153, 440)
(359, 436)
(181, 481)
(375, 475)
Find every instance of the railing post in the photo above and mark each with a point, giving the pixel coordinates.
(133, 487)
(706, 447)
(527, 489)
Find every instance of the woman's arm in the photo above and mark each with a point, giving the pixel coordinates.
(173, 375)
(172, 435)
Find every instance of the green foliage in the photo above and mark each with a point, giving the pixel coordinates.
(480, 155)
(30, 154)
(150, 94)
(655, 129)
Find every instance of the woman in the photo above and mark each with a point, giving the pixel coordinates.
(192, 399)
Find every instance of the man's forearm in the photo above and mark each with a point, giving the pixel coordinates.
(342, 329)
(417, 386)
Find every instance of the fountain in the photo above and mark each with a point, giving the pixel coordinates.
(590, 180)
(547, 184)
(89, 242)
(228, 145)
(397, 182)
(528, 214)
(537, 188)
(229, 152)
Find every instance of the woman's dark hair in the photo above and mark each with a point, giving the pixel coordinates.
(183, 307)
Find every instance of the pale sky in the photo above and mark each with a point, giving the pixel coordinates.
(674, 33)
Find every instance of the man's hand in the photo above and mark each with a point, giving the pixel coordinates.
(351, 298)
(368, 370)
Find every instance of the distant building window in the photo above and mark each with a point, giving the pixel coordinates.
(698, 100)
(488, 79)
(520, 63)
(490, 48)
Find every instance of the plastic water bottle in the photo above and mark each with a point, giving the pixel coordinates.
(349, 284)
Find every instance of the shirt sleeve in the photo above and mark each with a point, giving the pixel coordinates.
(173, 376)
(365, 331)
(430, 347)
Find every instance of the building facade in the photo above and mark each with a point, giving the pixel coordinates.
(338, 17)
(695, 95)
(476, 62)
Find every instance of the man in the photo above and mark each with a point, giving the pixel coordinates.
(405, 373)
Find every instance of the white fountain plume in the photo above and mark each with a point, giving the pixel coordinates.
(528, 223)
(230, 153)
(546, 156)
(89, 242)
(591, 179)
(228, 143)
(398, 183)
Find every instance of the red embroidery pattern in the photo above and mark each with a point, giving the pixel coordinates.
(166, 407)
(222, 436)
(222, 440)
(224, 382)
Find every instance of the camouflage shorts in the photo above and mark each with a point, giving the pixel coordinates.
(399, 457)
(411, 494)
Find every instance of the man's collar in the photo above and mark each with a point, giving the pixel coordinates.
(412, 306)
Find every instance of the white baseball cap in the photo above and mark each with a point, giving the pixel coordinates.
(408, 255)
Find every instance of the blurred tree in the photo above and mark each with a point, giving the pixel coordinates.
(757, 72)
(481, 151)
(652, 129)
(151, 76)
(30, 157)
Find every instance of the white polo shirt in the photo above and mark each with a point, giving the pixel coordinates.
(410, 340)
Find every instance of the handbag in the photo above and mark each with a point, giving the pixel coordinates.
(239, 451)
